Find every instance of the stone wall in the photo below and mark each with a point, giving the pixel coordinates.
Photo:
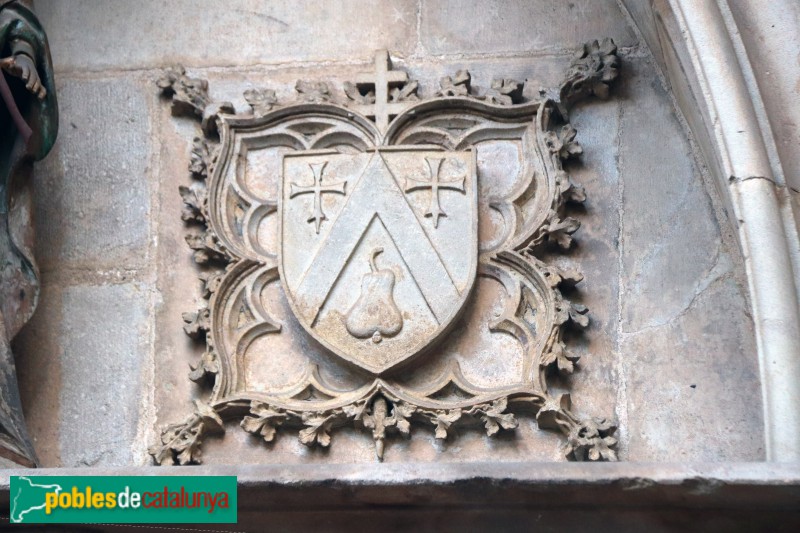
(670, 350)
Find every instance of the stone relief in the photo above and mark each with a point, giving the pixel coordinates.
(373, 257)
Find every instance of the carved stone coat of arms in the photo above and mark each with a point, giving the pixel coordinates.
(374, 258)
(378, 273)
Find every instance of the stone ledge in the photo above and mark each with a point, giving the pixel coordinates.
(772, 484)
(510, 496)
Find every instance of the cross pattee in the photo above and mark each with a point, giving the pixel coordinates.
(317, 189)
(435, 185)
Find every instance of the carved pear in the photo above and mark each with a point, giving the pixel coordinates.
(375, 314)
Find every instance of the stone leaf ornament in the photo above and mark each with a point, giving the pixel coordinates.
(363, 247)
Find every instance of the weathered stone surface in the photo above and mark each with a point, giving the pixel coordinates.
(83, 382)
(96, 215)
(687, 338)
(101, 380)
(476, 26)
(208, 33)
(642, 16)
(693, 387)
(666, 210)
(92, 191)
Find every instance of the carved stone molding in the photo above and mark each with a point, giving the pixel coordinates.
(361, 262)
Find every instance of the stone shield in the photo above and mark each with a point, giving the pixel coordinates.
(378, 249)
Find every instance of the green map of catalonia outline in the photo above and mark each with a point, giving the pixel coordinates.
(17, 516)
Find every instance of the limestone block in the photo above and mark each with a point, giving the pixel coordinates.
(81, 373)
(693, 384)
(668, 217)
(101, 381)
(96, 35)
(92, 192)
(687, 344)
(473, 26)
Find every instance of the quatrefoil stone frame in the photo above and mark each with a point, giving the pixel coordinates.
(384, 109)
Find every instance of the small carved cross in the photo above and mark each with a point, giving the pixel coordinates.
(318, 189)
(435, 185)
(381, 80)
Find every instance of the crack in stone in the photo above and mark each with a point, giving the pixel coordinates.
(736, 179)
(709, 280)
(658, 247)
(263, 16)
